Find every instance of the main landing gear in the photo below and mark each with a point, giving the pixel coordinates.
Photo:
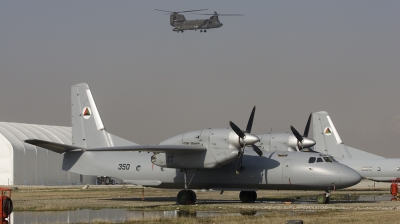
(324, 198)
(186, 196)
(248, 196)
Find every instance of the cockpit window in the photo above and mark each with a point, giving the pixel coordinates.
(312, 160)
(319, 160)
(333, 159)
(327, 159)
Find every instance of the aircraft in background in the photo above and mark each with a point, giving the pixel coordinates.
(210, 156)
(180, 24)
(368, 165)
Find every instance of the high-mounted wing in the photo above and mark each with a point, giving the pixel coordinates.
(61, 148)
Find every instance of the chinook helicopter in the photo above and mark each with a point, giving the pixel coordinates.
(180, 24)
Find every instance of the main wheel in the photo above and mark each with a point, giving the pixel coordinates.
(193, 196)
(322, 199)
(253, 196)
(184, 197)
(246, 196)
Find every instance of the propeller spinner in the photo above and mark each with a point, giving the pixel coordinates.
(246, 139)
(303, 141)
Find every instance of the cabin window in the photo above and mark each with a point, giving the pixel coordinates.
(138, 168)
(319, 160)
(312, 160)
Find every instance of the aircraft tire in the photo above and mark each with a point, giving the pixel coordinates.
(247, 196)
(184, 197)
(322, 199)
(253, 196)
(193, 196)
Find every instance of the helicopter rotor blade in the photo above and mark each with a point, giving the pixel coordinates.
(209, 14)
(170, 12)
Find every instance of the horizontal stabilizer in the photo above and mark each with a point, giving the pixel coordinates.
(180, 149)
(52, 146)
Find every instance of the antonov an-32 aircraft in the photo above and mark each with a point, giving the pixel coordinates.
(204, 159)
(368, 165)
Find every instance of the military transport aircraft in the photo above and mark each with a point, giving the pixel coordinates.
(368, 165)
(210, 157)
(180, 24)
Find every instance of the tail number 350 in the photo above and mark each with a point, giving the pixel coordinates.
(124, 166)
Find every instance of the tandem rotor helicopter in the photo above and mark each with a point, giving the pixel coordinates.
(180, 24)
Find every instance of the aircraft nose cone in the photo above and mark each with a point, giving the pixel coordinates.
(308, 142)
(349, 177)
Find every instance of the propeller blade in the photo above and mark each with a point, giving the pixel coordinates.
(251, 118)
(239, 164)
(257, 150)
(307, 127)
(296, 133)
(236, 129)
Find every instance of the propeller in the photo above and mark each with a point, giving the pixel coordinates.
(216, 14)
(303, 141)
(246, 139)
(180, 11)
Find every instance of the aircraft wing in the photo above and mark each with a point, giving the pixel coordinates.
(62, 148)
(52, 146)
(155, 148)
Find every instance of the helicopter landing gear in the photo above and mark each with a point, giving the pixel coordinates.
(201, 31)
(186, 196)
(248, 196)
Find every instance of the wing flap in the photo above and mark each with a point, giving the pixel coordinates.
(52, 146)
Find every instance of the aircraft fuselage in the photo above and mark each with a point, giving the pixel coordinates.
(275, 170)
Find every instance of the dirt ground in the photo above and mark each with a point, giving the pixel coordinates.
(344, 207)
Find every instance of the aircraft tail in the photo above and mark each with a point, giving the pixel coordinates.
(326, 136)
(88, 130)
(328, 140)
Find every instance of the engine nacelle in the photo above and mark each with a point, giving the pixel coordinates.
(222, 148)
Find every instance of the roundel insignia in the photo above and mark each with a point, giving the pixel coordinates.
(86, 112)
(327, 131)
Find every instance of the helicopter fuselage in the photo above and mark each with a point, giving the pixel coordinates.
(180, 23)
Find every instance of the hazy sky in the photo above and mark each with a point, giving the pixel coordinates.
(289, 58)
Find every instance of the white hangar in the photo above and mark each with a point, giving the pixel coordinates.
(25, 164)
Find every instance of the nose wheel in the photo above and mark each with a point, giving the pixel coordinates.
(324, 198)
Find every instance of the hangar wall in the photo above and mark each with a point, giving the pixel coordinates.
(25, 164)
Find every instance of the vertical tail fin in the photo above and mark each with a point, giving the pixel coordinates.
(87, 127)
(326, 136)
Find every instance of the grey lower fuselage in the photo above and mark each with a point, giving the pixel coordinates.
(275, 170)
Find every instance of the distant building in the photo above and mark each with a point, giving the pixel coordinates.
(25, 164)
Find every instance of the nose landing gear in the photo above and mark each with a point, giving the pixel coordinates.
(324, 198)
